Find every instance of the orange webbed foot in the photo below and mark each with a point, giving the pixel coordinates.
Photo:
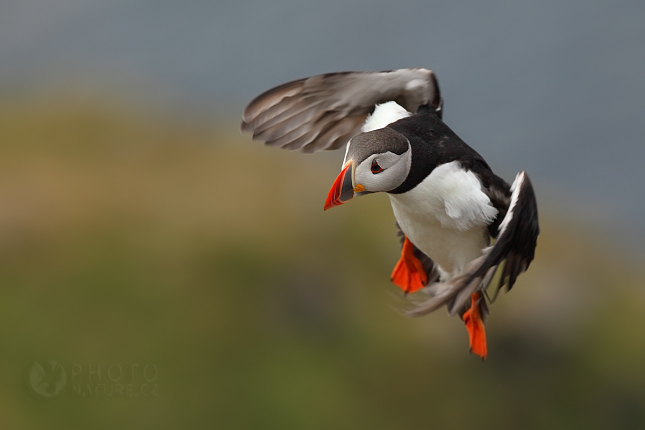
(408, 273)
(475, 326)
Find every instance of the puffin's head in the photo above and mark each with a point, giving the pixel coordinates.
(375, 161)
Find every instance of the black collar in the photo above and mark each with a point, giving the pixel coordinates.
(433, 144)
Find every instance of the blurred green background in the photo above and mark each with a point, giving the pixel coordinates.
(133, 240)
(159, 270)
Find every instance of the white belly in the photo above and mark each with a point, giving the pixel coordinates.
(446, 216)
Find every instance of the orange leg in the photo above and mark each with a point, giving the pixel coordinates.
(408, 273)
(475, 327)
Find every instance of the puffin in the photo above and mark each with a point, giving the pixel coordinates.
(459, 223)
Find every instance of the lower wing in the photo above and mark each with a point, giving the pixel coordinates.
(514, 249)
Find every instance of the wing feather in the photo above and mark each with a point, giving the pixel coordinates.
(325, 111)
(299, 111)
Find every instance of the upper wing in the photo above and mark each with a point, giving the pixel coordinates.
(514, 247)
(326, 111)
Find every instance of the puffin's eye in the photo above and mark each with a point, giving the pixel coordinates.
(375, 167)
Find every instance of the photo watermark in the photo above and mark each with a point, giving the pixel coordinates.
(49, 379)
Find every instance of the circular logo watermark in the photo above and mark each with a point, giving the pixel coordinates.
(47, 378)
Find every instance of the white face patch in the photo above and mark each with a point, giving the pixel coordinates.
(395, 169)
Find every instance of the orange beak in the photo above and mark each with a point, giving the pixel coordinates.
(342, 191)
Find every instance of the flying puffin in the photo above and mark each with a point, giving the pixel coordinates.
(458, 221)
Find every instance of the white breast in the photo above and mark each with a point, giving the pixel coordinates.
(446, 216)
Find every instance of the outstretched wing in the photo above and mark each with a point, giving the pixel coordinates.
(326, 111)
(514, 248)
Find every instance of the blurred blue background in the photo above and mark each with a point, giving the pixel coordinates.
(138, 230)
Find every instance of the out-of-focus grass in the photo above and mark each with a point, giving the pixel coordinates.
(129, 240)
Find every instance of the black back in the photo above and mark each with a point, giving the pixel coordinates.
(433, 144)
